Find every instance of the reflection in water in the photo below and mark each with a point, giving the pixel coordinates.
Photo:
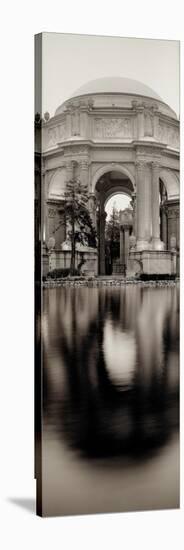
(111, 376)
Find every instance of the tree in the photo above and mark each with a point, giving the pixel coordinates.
(112, 231)
(77, 218)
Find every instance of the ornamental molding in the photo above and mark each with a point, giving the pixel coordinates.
(52, 212)
(76, 150)
(172, 212)
(50, 169)
(56, 134)
(106, 127)
(79, 104)
(152, 148)
(156, 165)
(168, 134)
(84, 164)
(145, 105)
(142, 163)
(105, 167)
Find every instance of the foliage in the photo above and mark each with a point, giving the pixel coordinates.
(60, 273)
(112, 234)
(156, 277)
(77, 218)
(113, 226)
(77, 214)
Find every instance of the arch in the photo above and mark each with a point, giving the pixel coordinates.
(171, 182)
(113, 166)
(116, 191)
(57, 184)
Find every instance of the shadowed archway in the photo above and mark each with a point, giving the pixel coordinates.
(110, 183)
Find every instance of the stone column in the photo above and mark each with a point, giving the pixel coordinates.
(69, 170)
(43, 220)
(133, 204)
(164, 230)
(155, 123)
(101, 239)
(140, 121)
(126, 241)
(47, 180)
(68, 123)
(155, 206)
(84, 166)
(122, 245)
(143, 176)
(84, 121)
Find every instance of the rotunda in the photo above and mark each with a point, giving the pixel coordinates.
(117, 136)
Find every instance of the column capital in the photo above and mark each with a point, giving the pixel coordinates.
(141, 164)
(155, 164)
(69, 164)
(125, 226)
(138, 106)
(84, 164)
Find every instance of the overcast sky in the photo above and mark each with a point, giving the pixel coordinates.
(69, 61)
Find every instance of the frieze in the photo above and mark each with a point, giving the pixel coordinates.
(76, 150)
(168, 134)
(112, 127)
(56, 134)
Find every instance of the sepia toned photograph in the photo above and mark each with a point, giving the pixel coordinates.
(107, 265)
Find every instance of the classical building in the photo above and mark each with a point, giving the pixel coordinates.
(117, 136)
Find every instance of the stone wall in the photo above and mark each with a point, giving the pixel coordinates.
(60, 259)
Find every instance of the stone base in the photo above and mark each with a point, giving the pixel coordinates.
(86, 259)
(154, 244)
(152, 262)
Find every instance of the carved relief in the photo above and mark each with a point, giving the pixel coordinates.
(52, 212)
(76, 150)
(168, 134)
(52, 135)
(112, 127)
(84, 164)
(56, 134)
(61, 131)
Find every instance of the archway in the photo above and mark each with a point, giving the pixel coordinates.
(111, 184)
(114, 206)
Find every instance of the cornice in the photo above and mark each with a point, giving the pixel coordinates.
(134, 145)
(149, 144)
(171, 152)
(168, 119)
(53, 121)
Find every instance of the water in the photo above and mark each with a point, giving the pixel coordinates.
(111, 392)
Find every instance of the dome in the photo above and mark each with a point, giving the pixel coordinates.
(116, 85)
(125, 88)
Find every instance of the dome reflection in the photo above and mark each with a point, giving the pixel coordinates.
(120, 354)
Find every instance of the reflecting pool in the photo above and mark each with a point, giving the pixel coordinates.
(110, 399)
